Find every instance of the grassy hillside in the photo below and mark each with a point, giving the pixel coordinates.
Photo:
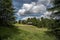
(27, 32)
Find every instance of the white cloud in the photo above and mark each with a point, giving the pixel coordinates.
(27, 7)
(45, 2)
(21, 11)
(35, 7)
(47, 13)
(38, 9)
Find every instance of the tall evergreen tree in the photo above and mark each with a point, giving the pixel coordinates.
(56, 27)
(6, 12)
(56, 8)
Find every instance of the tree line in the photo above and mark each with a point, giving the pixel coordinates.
(43, 22)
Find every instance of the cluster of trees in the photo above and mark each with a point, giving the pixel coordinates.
(22, 22)
(43, 22)
(53, 24)
(6, 12)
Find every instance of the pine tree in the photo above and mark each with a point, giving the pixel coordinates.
(56, 27)
(56, 8)
(6, 12)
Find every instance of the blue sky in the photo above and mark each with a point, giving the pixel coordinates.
(31, 8)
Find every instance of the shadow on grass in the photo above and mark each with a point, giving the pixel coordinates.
(7, 32)
(53, 33)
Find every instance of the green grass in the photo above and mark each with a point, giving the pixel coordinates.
(26, 32)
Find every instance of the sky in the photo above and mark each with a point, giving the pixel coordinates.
(31, 8)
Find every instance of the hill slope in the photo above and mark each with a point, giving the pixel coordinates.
(33, 33)
(29, 32)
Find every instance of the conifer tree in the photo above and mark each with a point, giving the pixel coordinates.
(56, 8)
(6, 12)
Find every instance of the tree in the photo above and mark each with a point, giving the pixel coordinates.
(56, 27)
(19, 21)
(29, 19)
(34, 21)
(6, 12)
(56, 8)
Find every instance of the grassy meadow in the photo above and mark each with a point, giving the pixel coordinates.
(25, 32)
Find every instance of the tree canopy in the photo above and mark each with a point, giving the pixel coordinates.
(6, 12)
(56, 8)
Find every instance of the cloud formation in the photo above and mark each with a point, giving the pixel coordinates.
(37, 8)
(45, 15)
(34, 7)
